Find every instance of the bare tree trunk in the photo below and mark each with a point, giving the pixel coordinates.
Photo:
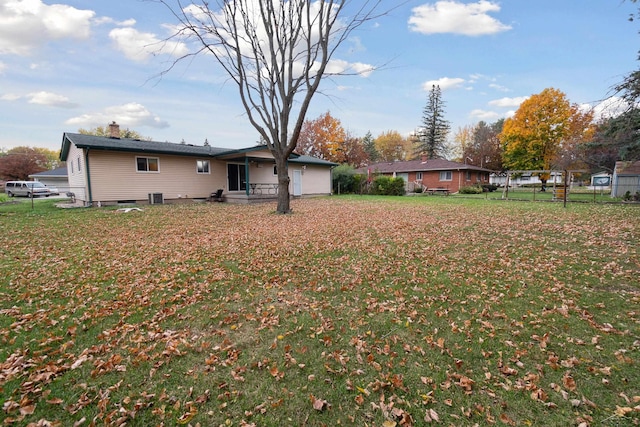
(284, 206)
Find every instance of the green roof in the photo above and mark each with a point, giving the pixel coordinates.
(310, 160)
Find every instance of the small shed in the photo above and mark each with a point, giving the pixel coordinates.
(626, 177)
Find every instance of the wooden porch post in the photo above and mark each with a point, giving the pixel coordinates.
(246, 175)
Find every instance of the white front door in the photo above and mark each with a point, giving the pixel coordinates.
(297, 182)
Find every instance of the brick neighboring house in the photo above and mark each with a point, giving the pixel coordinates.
(431, 173)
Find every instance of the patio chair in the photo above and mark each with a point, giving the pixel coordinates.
(217, 196)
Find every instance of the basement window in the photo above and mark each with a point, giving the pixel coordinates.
(147, 164)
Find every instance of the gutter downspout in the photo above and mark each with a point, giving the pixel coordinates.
(86, 163)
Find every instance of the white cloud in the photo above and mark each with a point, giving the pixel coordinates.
(610, 107)
(485, 115)
(508, 102)
(444, 83)
(9, 97)
(446, 16)
(338, 66)
(499, 87)
(106, 20)
(139, 46)
(356, 45)
(3, 67)
(28, 24)
(131, 115)
(50, 99)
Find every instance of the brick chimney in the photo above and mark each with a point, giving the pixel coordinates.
(114, 130)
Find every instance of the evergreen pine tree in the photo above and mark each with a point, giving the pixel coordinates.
(369, 146)
(432, 135)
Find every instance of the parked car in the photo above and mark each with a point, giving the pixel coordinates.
(26, 188)
(53, 191)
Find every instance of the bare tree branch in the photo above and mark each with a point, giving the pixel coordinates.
(277, 53)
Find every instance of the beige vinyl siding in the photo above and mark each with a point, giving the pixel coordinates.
(315, 179)
(114, 177)
(262, 173)
(77, 177)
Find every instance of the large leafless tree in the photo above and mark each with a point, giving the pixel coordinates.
(277, 52)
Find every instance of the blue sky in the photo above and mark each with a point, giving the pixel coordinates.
(80, 64)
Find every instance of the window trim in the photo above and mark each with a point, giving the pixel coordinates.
(146, 158)
(418, 176)
(206, 167)
(446, 175)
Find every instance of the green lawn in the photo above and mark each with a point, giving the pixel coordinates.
(351, 311)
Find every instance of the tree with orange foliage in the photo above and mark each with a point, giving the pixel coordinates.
(324, 138)
(393, 146)
(541, 131)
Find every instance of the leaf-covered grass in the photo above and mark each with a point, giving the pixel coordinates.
(351, 311)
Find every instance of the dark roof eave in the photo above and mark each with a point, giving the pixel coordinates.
(149, 151)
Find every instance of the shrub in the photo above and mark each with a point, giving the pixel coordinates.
(387, 186)
(489, 187)
(360, 184)
(343, 179)
(628, 197)
(470, 189)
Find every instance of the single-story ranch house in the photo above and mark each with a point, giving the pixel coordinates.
(432, 174)
(56, 178)
(110, 170)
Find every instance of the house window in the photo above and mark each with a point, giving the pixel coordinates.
(72, 171)
(418, 176)
(468, 176)
(79, 169)
(147, 164)
(446, 176)
(202, 166)
(275, 170)
(237, 176)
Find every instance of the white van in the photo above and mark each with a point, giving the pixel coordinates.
(26, 188)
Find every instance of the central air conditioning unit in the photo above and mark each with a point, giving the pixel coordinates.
(156, 198)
